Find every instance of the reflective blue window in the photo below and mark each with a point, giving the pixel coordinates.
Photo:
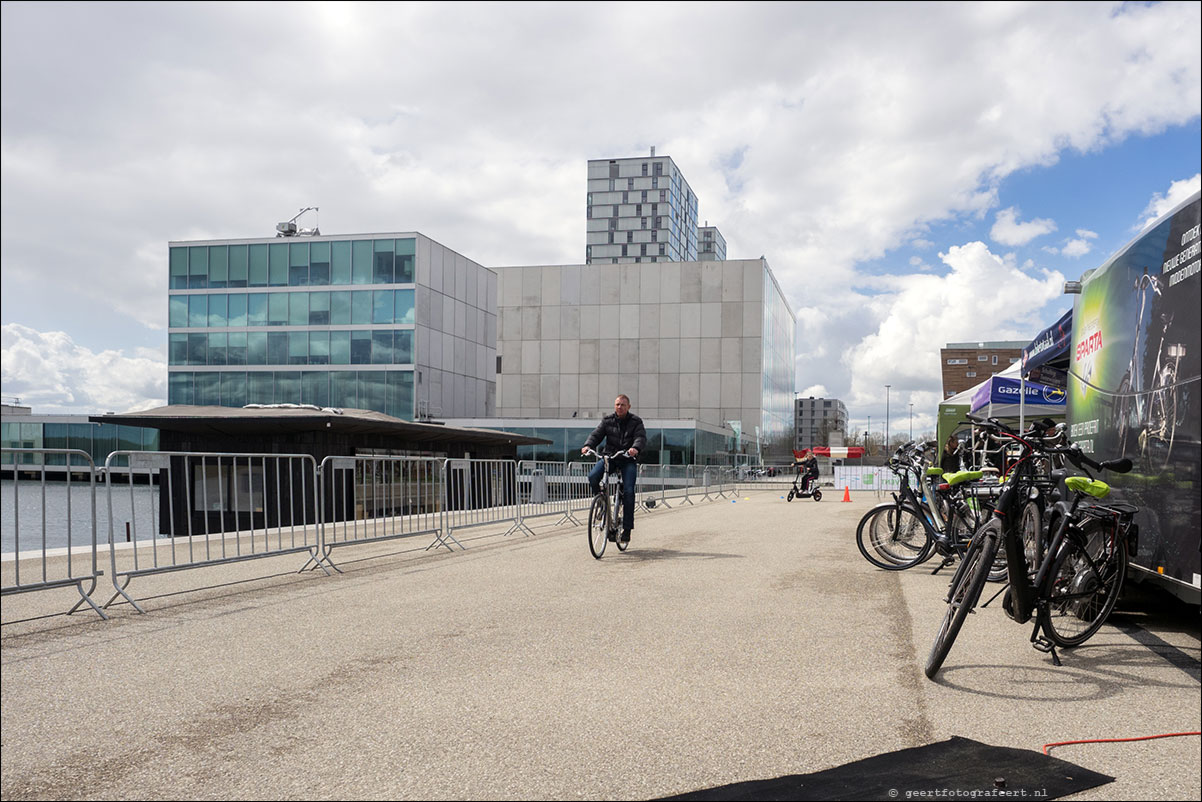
(237, 309)
(381, 307)
(218, 304)
(256, 309)
(238, 268)
(217, 344)
(198, 311)
(236, 350)
(177, 311)
(404, 307)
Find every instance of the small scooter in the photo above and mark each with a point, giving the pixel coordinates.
(810, 491)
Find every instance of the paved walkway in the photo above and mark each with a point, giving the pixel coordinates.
(734, 641)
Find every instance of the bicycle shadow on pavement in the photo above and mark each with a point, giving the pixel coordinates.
(1090, 673)
(650, 554)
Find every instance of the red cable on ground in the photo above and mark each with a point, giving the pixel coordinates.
(1046, 747)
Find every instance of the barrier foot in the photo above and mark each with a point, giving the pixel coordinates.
(121, 592)
(441, 540)
(519, 525)
(688, 500)
(87, 597)
(317, 560)
(568, 516)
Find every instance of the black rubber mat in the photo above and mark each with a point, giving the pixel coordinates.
(955, 768)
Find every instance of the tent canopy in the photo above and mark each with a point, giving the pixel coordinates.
(998, 397)
(1047, 357)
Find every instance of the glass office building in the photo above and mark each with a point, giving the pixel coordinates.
(20, 429)
(394, 323)
(669, 442)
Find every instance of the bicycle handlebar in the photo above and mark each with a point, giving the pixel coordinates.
(1072, 453)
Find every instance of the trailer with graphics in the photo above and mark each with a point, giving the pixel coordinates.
(1134, 389)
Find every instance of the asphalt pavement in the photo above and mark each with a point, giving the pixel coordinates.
(738, 639)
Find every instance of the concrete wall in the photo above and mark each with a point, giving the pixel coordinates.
(682, 339)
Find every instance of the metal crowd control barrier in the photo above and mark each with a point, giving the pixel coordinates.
(212, 509)
(371, 498)
(550, 488)
(73, 563)
(479, 492)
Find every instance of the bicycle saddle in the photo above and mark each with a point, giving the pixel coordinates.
(1090, 487)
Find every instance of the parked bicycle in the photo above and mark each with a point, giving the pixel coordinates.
(605, 514)
(1081, 573)
(914, 527)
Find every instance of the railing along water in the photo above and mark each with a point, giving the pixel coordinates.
(213, 508)
(371, 498)
(33, 529)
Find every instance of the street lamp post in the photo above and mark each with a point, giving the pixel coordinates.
(887, 386)
(911, 421)
(868, 433)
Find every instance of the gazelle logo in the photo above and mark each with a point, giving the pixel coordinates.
(1089, 345)
(1053, 395)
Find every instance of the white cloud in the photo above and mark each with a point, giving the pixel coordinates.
(51, 373)
(814, 391)
(821, 138)
(925, 312)
(1008, 231)
(1178, 191)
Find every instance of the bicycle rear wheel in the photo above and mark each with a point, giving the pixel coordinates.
(617, 525)
(1083, 588)
(893, 538)
(598, 525)
(964, 593)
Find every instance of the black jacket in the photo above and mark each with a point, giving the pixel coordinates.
(619, 435)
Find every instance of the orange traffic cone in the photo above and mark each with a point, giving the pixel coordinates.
(847, 492)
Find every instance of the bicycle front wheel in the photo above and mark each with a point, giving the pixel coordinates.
(1082, 589)
(965, 591)
(892, 538)
(598, 525)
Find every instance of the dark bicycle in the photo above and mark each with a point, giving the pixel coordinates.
(1076, 584)
(937, 518)
(605, 514)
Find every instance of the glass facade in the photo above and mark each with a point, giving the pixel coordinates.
(97, 439)
(288, 304)
(665, 446)
(778, 372)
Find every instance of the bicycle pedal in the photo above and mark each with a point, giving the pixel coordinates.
(1044, 645)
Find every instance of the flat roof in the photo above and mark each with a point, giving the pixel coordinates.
(288, 418)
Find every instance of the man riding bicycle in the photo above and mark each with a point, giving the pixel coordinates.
(624, 438)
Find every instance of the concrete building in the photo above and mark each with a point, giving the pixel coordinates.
(394, 323)
(818, 420)
(707, 341)
(639, 210)
(711, 245)
(966, 365)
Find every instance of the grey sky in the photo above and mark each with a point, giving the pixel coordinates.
(824, 136)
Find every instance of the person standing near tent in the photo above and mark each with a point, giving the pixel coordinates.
(949, 460)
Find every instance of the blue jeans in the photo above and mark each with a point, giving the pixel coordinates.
(630, 472)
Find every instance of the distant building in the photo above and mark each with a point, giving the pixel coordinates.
(706, 341)
(639, 210)
(965, 365)
(711, 246)
(394, 323)
(818, 420)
